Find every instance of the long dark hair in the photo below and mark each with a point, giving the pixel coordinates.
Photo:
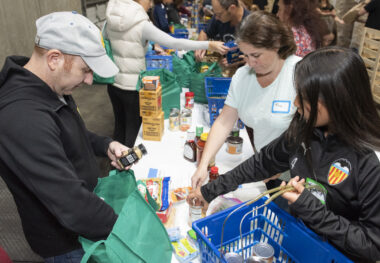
(264, 30)
(304, 13)
(336, 77)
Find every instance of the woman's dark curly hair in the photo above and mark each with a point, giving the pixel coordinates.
(304, 13)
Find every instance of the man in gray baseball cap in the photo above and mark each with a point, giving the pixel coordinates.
(47, 156)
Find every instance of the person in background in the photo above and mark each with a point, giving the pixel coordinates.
(373, 11)
(306, 24)
(344, 31)
(173, 12)
(129, 31)
(261, 93)
(333, 141)
(47, 156)
(228, 14)
(327, 12)
(160, 14)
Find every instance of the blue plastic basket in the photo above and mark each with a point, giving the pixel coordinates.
(180, 33)
(158, 61)
(216, 93)
(291, 240)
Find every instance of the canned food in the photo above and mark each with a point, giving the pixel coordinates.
(174, 119)
(185, 120)
(234, 145)
(261, 253)
(204, 68)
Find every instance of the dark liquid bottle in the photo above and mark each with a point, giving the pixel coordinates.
(190, 148)
(214, 173)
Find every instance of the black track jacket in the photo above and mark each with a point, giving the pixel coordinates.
(350, 220)
(47, 159)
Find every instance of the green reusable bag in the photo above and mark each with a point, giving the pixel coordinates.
(197, 79)
(182, 69)
(171, 90)
(107, 45)
(138, 235)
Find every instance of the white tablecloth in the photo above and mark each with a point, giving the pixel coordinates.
(167, 156)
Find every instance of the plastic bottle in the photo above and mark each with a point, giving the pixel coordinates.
(190, 149)
(214, 173)
(132, 155)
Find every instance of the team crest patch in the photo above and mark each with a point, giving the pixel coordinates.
(339, 171)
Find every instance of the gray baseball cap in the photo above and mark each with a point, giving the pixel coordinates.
(74, 34)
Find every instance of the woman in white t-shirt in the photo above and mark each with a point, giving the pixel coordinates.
(261, 93)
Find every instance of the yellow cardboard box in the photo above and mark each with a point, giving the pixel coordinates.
(153, 127)
(150, 102)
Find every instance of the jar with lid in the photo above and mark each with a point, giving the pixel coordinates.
(195, 210)
(185, 120)
(214, 173)
(200, 146)
(189, 100)
(174, 119)
(190, 149)
(132, 155)
(234, 145)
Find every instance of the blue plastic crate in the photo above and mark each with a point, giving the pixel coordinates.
(291, 240)
(180, 33)
(158, 61)
(216, 93)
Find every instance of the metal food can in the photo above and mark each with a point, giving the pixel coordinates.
(261, 253)
(185, 120)
(234, 145)
(174, 119)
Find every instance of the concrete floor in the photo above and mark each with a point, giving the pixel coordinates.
(96, 110)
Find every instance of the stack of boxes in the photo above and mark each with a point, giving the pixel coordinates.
(151, 108)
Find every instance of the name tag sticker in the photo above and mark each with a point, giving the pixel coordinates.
(281, 106)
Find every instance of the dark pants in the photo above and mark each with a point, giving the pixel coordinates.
(126, 109)
(74, 256)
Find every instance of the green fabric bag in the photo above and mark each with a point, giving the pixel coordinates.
(197, 79)
(107, 45)
(171, 90)
(138, 235)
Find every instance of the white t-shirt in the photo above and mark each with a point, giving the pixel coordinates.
(267, 110)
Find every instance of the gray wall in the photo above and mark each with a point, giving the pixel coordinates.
(17, 20)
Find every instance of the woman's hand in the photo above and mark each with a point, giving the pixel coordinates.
(115, 151)
(199, 177)
(195, 197)
(298, 186)
(218, 46)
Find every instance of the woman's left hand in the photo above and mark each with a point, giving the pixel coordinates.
(298, 186)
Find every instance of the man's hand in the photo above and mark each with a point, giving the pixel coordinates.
(199, 54)
(298, 186)
(199, 177)
(114, 152)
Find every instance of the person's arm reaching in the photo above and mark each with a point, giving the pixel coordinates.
(152, 33)
(218, 134)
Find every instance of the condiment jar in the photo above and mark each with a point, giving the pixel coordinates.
(132, 155)
(214, 173)
(195, 210)
(174, 119)
(190, 149)
(185, 120)
(234, 145)
(200, 146)
(189, 102)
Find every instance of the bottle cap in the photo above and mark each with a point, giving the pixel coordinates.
(142, 148)
(189, 94)
(204, 136)
(214, 170)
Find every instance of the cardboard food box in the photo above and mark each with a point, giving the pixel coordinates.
(151, 82)
(153, 127)
(150, 102)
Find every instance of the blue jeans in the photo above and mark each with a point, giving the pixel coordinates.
(74, 256)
